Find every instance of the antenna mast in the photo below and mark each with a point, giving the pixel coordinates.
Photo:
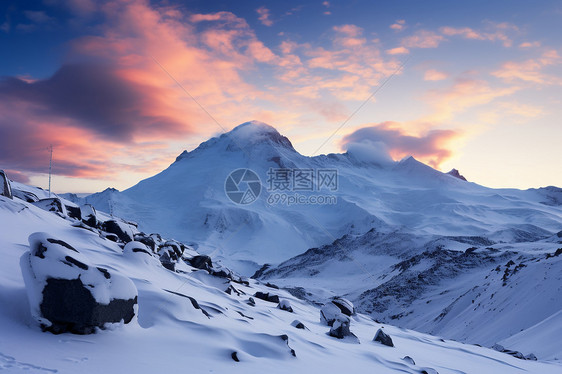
(50, 167)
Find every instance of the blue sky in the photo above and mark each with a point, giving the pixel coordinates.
(480, 90)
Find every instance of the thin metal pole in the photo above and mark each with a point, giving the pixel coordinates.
(50, 167)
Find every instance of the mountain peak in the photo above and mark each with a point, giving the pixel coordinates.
(242, 137)
(455, 173)
(256, 132)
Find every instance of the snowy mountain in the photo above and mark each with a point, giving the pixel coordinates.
(188, 200)
(189, 313)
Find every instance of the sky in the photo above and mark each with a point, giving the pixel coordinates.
(119, 88)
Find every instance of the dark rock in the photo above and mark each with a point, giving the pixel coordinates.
(29, 197)
(267, 297)
(383, 338)
(455, 173)
(262, 270)
(174, 249)
(112, 237)
(146, 240)
(234, 356)
(298, 325)
(285, 305)
(167, 262)
(409, 360)
(559, 234)
(329, 313)
(271, 285)
(70, 307)
(251, 302)
(555, 254)
(231, 290)
(89, 216)
(57, 271)
(470, 250)
(285, 338)
(122, 230)
(345, 306)
(73, 211)
(53, 204)
(202, 262)
(340, 327)
(5, 186)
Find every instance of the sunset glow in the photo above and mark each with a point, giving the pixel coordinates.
(475, 87)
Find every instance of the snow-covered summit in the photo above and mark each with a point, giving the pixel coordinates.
(243, 139)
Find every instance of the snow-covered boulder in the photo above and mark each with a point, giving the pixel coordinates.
(170, 253)
(73, 210)
(5, 187)
(89, 216)
(202, 262)
(329, 313)
(53, 204)
(68, 294)
(345, 306)
(340, 327)
(409, 360)
(123, 231)
(383, 338)
(138, 252)
(27, 196)
(146, 240)
(285, 304)
(266, 296)
(298, 325)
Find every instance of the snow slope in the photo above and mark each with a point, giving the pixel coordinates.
(172, 335)
(393, 242)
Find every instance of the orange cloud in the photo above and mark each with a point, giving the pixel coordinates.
(434, 75)
(398, 51)
(465, 93)
(530, 70)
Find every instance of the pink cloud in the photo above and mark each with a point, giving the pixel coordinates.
(463, 94)
(423, 39)
(264, 15)
(493, 32)
(398, 51)
(399, 25)
(429, 147)
(434, 75)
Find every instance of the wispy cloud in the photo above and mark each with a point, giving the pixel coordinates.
(530, 70)
(399, 25)
(434, 75)
(264, 16)
(423, 39)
